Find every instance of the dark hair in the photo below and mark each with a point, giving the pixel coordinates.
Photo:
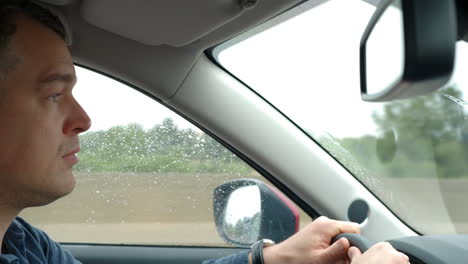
(9, 11)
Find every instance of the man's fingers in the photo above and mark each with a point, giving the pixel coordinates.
(353, 252)
(333, 227)
(336, 252)
(348, 227)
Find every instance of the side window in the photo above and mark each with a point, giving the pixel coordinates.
(145, 176)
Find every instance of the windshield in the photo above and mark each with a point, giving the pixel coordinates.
(412, 154)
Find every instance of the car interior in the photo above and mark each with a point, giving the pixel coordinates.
(167, 51)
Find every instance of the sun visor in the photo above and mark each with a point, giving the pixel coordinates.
(175, 22)
(58, 2)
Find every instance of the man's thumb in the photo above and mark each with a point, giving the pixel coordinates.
(353, 252)
(337, 251)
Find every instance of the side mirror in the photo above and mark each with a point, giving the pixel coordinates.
(407, 49)
(248, 210)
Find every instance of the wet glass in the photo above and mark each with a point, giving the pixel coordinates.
(412, 154)
(146, 176)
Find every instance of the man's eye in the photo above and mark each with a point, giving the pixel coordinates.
(53, 98)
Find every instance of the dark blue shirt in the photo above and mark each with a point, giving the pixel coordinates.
(240, 258)
(25, 244)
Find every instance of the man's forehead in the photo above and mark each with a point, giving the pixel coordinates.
(38, 38)
(64, 76)
(42, 49)
(8, 62)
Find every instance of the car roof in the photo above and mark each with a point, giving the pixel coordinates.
(154, 44)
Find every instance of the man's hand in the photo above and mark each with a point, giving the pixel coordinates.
(382, 253)
(312, 244)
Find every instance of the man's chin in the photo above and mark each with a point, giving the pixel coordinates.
(50, 195)
(67, 186)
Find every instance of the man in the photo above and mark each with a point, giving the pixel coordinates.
(41, 122)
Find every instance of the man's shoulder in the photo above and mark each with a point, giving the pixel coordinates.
(22, 224)
(21, 227)
(28, 242)
(21, 234)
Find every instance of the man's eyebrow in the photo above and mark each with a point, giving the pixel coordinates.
(62, 77)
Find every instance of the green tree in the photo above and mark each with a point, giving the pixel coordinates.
(213, 150)
(163, 148)
(165, 137)
(419, 137)
(430, 130)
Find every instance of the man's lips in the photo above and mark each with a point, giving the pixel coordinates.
(72, 153)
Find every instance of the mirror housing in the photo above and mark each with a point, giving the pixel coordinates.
(279, 218)
(429, 37)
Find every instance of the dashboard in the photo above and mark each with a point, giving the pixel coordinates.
(436, 249)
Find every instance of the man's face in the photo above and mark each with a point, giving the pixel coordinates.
(40, 119)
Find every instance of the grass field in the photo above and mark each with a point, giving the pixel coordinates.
(145, 208)
(144, 197)
(176, 209)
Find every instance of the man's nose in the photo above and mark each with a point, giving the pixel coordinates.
(78, 121)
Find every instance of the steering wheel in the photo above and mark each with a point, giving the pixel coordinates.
(355, 240)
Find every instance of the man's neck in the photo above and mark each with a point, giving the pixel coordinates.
(6, 217)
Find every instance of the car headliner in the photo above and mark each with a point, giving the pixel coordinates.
(158, 69)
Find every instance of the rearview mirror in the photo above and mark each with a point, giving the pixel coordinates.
(407, 49)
